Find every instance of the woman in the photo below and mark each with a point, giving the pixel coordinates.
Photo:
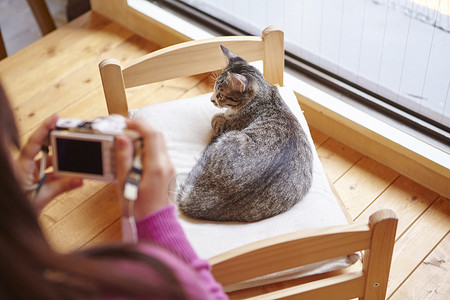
(162, 265)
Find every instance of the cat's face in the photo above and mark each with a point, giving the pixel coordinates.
(228, 90)
(234, 86)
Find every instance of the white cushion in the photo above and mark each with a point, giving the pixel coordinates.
(186, 124)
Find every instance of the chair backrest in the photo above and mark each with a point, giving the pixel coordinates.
(191, 58)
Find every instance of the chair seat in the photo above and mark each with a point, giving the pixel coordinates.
(186, 125)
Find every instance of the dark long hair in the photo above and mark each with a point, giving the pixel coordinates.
(30, 268)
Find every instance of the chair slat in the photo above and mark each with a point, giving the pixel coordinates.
(345, 286)
(190, 58)
(289, 251)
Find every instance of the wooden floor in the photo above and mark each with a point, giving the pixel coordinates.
(90, 216)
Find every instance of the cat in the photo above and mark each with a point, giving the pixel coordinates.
(258, 163)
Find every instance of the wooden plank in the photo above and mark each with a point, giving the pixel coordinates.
(63, 50)
(86, 222)
(67, 202)
(46, 47)
(337, 158)
(431, 279)
(363, 183)
(420, 239)
(408, 199)
(111, 234)
(206, 85)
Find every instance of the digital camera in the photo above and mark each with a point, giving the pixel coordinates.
(87, 148)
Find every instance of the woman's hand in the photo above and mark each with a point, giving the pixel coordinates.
(27, 168)
(157, 169)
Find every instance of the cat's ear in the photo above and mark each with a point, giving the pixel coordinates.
(229, 55)
(237, 82)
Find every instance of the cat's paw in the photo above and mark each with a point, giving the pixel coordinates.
(218, 123)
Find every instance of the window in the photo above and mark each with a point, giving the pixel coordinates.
(395, 50)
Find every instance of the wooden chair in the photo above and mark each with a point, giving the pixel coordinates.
(375, 239)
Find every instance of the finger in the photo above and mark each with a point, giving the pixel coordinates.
(154, 144)
(141, 127)
(153, 139)
(34, 144)
(124, 157)
(54, 187)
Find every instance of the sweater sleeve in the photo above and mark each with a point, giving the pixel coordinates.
(162, 228)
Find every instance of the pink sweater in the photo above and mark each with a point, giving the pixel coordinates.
(162, 228)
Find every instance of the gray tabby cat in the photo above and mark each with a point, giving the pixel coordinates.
(258, 163)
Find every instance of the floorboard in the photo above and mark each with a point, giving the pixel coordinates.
(363, 183)
(408, 199)
(337, 158)
(418, 242)
(433, 275)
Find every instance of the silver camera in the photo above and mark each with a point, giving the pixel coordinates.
(87, 148)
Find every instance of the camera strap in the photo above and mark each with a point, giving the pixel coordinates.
(34, 189)
(130, 193)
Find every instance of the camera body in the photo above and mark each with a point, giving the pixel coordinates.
(87, 148)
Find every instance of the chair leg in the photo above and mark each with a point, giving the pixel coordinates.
(3, 53)
(42, 15)
(113, 86)
(377, 260)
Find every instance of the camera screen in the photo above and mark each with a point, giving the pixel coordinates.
(79, 156)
